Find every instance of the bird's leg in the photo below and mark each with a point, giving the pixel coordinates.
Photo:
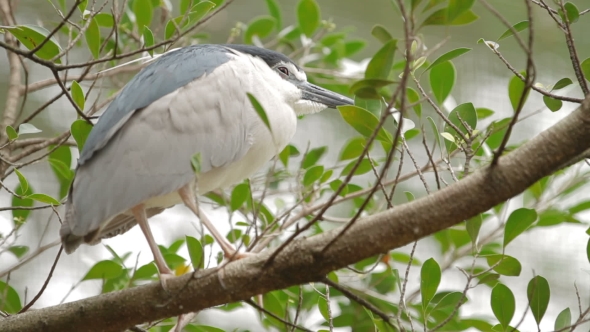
(164, 270)
(188, 197)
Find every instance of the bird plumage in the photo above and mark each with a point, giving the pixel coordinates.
(140, 150)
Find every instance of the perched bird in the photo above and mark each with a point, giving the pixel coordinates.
(193, 101)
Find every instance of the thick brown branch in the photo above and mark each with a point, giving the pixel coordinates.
(303, 260)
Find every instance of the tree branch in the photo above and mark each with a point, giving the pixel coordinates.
(303, 261)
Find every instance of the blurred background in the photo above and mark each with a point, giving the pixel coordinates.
(557, 253)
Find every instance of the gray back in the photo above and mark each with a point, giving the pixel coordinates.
(168, 73)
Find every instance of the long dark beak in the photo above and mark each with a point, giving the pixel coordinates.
(325, 97)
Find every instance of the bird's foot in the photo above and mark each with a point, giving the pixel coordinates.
(164, 277)
(183, 320)
(235, 255)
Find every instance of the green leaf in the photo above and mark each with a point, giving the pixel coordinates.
(11, 133)
(288, 151)
(538, 293)
(195, 251)
(196, 163)
(585, 66)
(432, 3)
(199, 11)
(312, 157)
(323, 307)
(499, 130)
(483, 113)
(308, 16)
(9, 299)
(434, 130)
(104, 20)
(18, 251)
(31, 36)
(429, 280)
(82, 5)
(363, 168)
(20, 216)
(143, 11)
(573, 14)
(465, 112)
(148, 39)
(78, 95)
(104, 270)
(24, 184)
(409, 196)
(364, 122)
(313, 174)
(563, 320)
(381, 33)
(60, 160)
(588, 250)
(562, 83)
(185, 5)
(449, 56)
(508, 266)
(408, 135)
(353, 149)
(367, 88)
(44, 199)
(239, 196)
(171, 26)
(414, 98)
(275, 11)
(518, 27)
(259, 110)
(439, 17)
(583, 206)
(261, 26)
(552, 104)
(456, 8)
(518, 221)
(80, 129)
(145, 271)
(450, 301)
(473, 226)
(353, 46)
(442, 79)
(503, 304)
(92, 36)
(382, 62)
(516, 91)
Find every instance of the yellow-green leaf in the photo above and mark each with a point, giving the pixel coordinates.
(308, 16)
(11, 133)
(148, 40)
(92, 36)
(80, 129)
(381, 63)
(259, 110)
(44, 199)
(364, 122)
(261, 26)
(78, 95)
(31, 36)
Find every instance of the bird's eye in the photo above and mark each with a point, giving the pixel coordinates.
(284, 70)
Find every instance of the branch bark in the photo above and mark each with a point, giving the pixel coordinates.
(308, 259)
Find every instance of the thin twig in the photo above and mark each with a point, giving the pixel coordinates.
(30, 304)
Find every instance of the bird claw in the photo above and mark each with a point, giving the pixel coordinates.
(164, 277)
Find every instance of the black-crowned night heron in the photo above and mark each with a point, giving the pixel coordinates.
(137, 159)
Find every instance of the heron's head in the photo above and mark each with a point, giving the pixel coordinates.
(312, 98)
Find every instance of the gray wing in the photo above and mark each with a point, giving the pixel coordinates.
(149, 156)
(171, 71)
